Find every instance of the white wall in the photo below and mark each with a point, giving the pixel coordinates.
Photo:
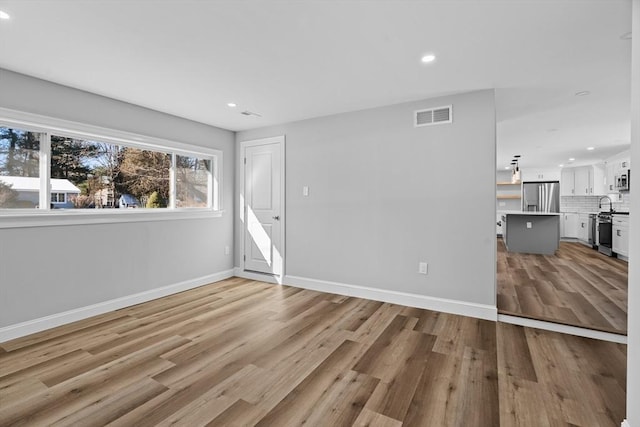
(633, 347)
(384, 195)
(49, 270)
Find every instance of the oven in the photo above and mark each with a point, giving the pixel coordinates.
(605, 233)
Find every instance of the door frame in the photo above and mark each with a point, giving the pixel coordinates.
(242, 207)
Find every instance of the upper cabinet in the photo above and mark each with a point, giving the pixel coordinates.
(584, 185)
(528, 175)
(568, 182)
(615, 167)
(583, 181)
(610, 178)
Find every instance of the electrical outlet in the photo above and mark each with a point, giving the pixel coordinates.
(423, 268)
(529, 224)
(227, 250)
(305, 191)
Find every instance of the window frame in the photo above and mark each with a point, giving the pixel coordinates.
(45, 216)
(57, 198)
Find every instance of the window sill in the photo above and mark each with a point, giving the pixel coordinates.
(31, 218)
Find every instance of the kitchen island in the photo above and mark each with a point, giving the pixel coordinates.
(531, 232)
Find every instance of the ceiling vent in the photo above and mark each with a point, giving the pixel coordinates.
(433, 116)
(250, 113)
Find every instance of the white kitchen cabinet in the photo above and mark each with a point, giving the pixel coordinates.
(532, 175)
(569, 225)
(620, 238)
(583, 227)
(586, 181)
(582, 181)
(615, 166)
(611, 178)
(567, 182)
(598, 182)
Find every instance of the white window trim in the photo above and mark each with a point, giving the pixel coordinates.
(16, 218)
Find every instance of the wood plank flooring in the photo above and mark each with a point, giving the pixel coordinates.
(578, 286)
(245, 353)
(552, 379)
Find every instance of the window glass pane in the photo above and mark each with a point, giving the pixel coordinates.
(108, 175)
(192, 182)
(83, 171)
(144, 178)
(19, 169)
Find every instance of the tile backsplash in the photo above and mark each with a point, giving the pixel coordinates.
(590, 203)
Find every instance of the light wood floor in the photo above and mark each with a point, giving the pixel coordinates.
(243, 353)
(578, 286)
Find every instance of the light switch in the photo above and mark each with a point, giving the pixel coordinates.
(528, 225)
(423, 267)
(305, 191)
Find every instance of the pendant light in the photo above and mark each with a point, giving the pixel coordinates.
(515, 176)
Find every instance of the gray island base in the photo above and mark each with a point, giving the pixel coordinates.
(531, 232)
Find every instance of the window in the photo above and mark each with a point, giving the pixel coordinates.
(112, 172)
(109, 176)
(19, 168)
(58, 198)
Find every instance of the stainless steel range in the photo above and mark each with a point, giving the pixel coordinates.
(605, 233)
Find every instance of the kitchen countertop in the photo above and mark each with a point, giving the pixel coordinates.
(595, 213)
(530, 213)
(580, 213)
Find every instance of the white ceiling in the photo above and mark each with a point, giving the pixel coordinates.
(292, 60)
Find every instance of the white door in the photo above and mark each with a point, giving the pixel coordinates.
(263, 208)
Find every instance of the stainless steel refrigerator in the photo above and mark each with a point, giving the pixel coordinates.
(541, 196)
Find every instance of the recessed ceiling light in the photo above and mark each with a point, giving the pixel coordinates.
(583, 93)
(428, 58)
(232, 105)
(4, 15)
(560, 165)
(591, 148)
(571, 159)
(507, 167)
(626, 36)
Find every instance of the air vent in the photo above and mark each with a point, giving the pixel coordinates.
(250, 113)
(433, 116)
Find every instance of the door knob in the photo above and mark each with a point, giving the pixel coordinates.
(277, 217)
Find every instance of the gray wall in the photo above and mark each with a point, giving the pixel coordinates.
(633, 348)
(384, 196)
(48, 270)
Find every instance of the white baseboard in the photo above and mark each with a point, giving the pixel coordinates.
(36, 325)
(563, 329)
(262, 277)
(462, 308)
